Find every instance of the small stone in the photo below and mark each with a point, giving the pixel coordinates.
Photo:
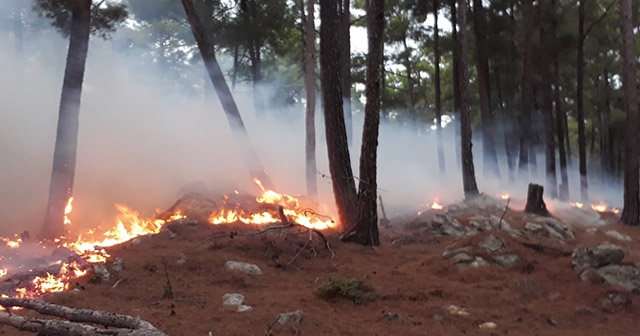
(617, 235)
(437, 317)
(592, 276)
(627, 277)
(117, 264)
(136, 241)
(455, 310)
(450, 253)
(232, 299)
(507, 260)
(290, 317)
(102, 271)
(591, 231)
(243, 267)
(478, 262)
(244, 308)
(389, 316)
(604, 254)
(492, 244)
(558, 229)
(488, 325)
(533, 227)
(463, 258)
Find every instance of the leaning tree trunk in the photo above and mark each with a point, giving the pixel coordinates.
(438, 93)
(582, 142)
(344, 188)
(310, 86)
(468, 172)
(366, 230)
(64, 157)
(630, 212)
(206, 48)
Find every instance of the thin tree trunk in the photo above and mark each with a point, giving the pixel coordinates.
(582, 143)
(563, 193)
(547, 98)
(436, 51)
(366, 230)
(527, 91)
(489, 156)
(506, 128)
(608, 148)
(632, 163)
(206, 48)
(64, 157)
(456, 85)
(468, 172)
(345, 28)
(236, 63)
(344, 188)
(310, 85)
(410, 85)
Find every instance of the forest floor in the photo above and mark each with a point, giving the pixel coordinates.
(414, 290)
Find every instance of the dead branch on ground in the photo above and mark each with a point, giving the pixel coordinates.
(74, 325)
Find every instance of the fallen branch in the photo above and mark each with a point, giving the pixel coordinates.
(124, 325)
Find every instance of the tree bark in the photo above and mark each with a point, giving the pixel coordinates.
(206, 48)
(345, 28)
(64, 157)
(438, 93)
(468, 172)
(366, 230)
(527, 91)
(489, 156)
(342, 180)
(310, 85)
(563, 192)
(547, 97)
(631, 209)
(582, 141)
(456, 85)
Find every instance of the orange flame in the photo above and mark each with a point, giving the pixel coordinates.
(67, 210)
(3, 272)
(505, 196)
(576, 205)
(436, 206)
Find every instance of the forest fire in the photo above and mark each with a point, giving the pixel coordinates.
(599, 207)
(88, 248)
(436, 206)
(291, 209)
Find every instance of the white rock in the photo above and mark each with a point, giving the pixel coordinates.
(488, 325)
(617, 235)
(243, 267)
(290, 317)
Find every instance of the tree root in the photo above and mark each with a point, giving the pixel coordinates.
(74, 325)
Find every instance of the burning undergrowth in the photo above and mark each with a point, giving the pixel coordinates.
(31, 268)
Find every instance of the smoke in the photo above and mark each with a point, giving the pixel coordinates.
(143, 142)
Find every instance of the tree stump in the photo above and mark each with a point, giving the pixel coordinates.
(535, 203)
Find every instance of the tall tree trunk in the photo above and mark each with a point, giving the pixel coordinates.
(206, 48)
(254, 45)
(456, 85)
(344, 188)
(345, 28)
(64, 156)
(489, 157)
(310, 85)
(582, 142)
(408, 65)
(436, 56)
(546, 46)
(608, 148)
(563, 193)
(468, 172)
(366, 230)
(236, 63)
(527, 91)
(631, 209)
(506, 125)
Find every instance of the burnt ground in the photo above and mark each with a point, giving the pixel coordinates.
(414, 284)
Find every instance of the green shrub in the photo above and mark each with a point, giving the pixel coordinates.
(352, 289)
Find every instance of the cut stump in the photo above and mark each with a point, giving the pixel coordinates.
(535, 203)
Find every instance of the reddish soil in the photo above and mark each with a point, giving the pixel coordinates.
(542, 295)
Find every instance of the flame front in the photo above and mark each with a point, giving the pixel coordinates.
(290, 204)
(3, 272)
